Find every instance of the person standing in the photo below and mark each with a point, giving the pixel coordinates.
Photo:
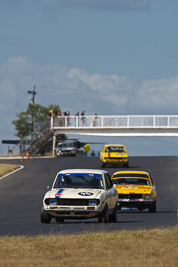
(94, 119)
(83, 117)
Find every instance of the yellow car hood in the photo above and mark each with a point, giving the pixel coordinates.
(135, 189)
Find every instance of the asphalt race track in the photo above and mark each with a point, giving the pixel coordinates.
(21, 197)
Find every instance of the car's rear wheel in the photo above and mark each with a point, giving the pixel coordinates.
(152, 207)
(44, 216)
(113, 216)
(59, 219)
(104, 217)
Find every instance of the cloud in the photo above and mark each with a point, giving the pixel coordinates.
(75, 89)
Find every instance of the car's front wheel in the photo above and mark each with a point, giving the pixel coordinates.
(152, 207)
(113, 216)
(44, 216)
(126, 165)
(104, 217)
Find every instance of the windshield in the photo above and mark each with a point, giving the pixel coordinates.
(133, 181)
(129, 175)
(114, 149)
(79, 180)
(65, 145)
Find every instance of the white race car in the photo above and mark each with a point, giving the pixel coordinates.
(81, 194)
(66, 149)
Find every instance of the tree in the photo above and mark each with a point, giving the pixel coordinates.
(32, 121)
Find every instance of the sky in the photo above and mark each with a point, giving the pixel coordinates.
(110, 57)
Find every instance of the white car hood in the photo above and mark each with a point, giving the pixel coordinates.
(74, 193)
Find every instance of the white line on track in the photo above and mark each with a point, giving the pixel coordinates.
(20, 168)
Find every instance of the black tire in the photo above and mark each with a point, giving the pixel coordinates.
(113, 216)
(59, 219)
(104, 217)
(102, 164)
(44, 216)
(152, 207)
(126, 165)
(119, 207)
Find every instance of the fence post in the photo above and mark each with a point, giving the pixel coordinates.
(127, 120)
(51, 122)
(102, 121)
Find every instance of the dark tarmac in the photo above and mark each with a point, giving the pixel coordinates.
(21, 196)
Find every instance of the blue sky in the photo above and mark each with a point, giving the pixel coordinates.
(101, 56)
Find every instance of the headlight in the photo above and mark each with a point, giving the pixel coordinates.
(153, 190)
(92, 202)
(147, 197)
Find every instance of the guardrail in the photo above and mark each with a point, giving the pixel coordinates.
(117, 121)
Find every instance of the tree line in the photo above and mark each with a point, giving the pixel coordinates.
(28, 122)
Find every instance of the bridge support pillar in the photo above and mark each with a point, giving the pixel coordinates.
(54, 145)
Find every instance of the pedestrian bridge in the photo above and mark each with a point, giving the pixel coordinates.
(116, 125)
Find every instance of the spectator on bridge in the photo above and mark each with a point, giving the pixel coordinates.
(67, 113)
(83, 117)
(60, 120)
(51, 114)
(95, 119)
(58, 113)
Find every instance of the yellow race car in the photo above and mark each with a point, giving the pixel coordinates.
(135, 189)
(114, 155)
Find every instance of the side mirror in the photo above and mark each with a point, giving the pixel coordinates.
(48, 187)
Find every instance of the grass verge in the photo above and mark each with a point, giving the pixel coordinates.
(7, 168)
(125, 248)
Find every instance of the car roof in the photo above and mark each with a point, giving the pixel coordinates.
(113, 145)
(97, 171)
(136, 172)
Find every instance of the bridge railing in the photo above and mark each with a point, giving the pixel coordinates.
(117, 121)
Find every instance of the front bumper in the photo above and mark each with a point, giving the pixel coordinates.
(115, 162)
(74, 212)
(139, 204)
(68, 153)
